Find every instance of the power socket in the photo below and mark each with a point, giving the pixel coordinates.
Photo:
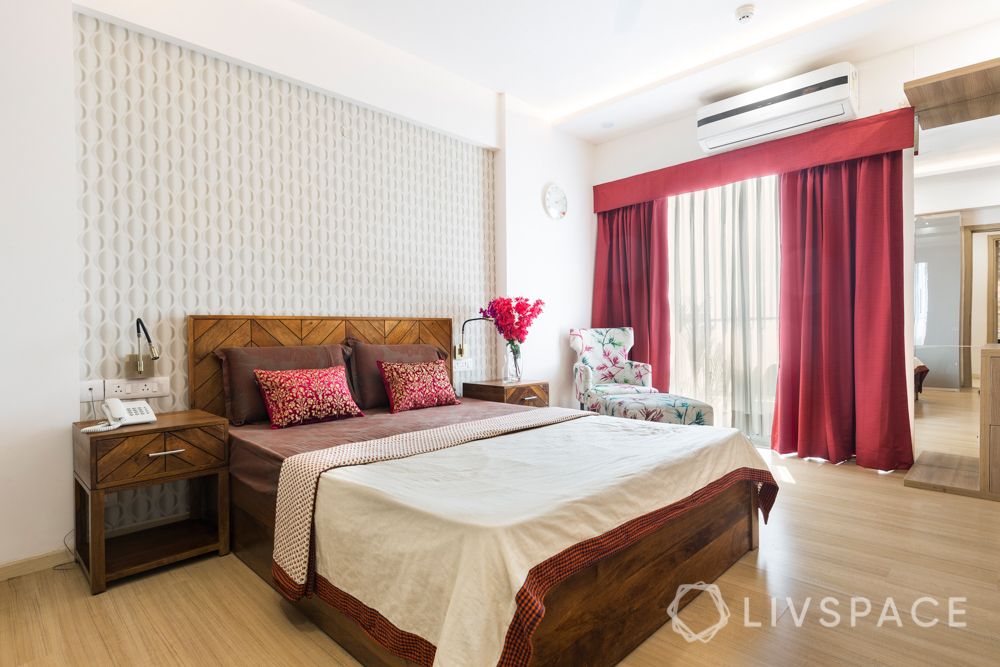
(464, 364)
(129, 389)
(91, 390)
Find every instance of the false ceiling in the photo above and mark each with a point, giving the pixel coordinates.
(600, 69)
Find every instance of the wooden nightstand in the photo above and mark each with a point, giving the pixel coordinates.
(516, 393)
(191, 445)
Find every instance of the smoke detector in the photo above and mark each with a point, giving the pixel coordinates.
(744, 13)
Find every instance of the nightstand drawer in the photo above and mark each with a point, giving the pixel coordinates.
(534, 394)
(195, 448)
(153, 455)
(528, 399)
(137, 457)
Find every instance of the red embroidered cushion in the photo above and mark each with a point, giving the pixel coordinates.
(415, 386)
(306, 395)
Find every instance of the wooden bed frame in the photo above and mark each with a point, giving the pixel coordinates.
(596, 617)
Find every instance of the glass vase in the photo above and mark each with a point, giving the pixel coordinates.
(513, 366)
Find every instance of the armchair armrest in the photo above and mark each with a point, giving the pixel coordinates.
(583, 381)
(641, 373)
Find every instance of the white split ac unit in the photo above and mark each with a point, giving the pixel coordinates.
(805, 102)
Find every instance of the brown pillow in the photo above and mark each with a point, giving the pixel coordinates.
(244, 404)
(368, 387)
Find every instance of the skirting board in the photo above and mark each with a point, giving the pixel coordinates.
(19, 568)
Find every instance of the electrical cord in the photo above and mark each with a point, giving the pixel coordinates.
(93, 408)
(71, 565)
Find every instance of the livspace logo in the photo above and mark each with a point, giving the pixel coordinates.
(681, 628)
(832, 612)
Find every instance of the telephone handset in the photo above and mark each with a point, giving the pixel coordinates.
(122, 413)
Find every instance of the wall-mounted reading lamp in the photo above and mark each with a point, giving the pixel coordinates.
(135, 366)
(460, 348)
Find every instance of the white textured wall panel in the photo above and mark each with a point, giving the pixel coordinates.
(208, 187)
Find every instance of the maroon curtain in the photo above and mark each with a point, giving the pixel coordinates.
(630, 281)
(842, 384)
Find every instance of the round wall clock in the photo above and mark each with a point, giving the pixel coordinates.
(554, 200)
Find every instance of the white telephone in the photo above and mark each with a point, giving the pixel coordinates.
(122, 413)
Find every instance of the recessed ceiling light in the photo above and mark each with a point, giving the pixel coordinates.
(744, 13)
(607, 125)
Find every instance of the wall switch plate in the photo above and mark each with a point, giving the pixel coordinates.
(132, 389)
(461, 364)
(91, 390)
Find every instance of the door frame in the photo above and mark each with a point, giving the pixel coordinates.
(965, 321)
(991, 289)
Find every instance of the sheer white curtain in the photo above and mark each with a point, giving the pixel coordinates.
(724, 245)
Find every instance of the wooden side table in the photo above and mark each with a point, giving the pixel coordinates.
(190, 445)
(535, 394)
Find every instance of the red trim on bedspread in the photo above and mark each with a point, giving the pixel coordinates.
(286, 585)
(405, 645)
(540, 580)
(544, 576)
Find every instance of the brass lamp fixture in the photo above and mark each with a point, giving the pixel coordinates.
(460, 348)
(139, 365)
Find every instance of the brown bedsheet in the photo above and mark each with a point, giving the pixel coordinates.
(257, 451)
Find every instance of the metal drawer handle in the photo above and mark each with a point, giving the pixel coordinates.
(530, 398)
(153, 455)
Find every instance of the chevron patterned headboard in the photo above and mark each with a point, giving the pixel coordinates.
(207, 333)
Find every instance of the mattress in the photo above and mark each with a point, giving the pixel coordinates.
(257, 451)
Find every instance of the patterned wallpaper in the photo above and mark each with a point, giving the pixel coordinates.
(207, 187)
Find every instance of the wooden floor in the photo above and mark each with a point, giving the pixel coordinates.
(837, 531)
(947, 421)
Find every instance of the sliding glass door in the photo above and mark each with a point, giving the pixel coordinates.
(724, 254)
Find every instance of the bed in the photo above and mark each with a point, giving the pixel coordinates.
(591, 600)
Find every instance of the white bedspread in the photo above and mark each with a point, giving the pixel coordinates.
(440, 543)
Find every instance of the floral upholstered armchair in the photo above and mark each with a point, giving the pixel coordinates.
(603, 368)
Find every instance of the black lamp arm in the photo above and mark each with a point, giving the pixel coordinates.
(140, 331)
(474, 319)
(460, 351)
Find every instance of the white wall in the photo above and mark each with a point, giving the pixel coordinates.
(38, 269)
(671, 143)
(292, 41)
(973, 188)
(538, 257)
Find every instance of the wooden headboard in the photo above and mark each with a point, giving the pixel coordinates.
(207, 333)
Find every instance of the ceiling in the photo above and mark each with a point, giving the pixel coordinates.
(602, 68)
(974, 144)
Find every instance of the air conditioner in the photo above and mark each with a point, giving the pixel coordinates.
(805, 102)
